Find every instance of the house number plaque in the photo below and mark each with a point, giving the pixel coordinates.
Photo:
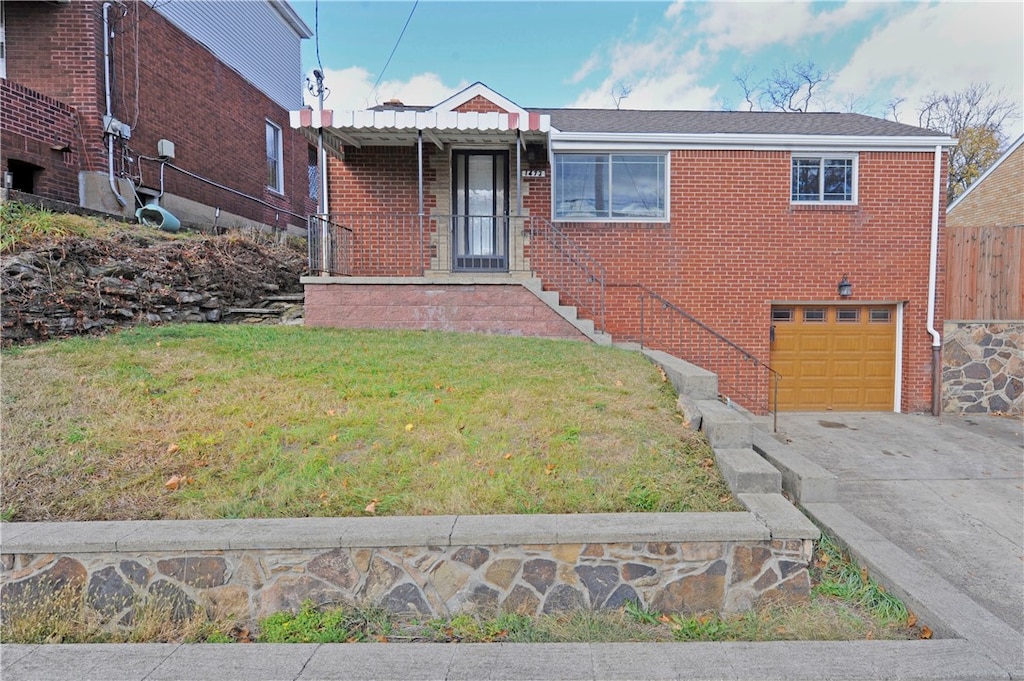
(535, 173)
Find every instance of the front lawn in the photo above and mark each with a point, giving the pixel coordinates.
(206, 421)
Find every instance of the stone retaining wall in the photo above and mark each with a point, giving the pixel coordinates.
(983, 367)
(247, 569)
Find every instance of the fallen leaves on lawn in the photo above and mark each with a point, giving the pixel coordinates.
(371, 507)
(177, 481)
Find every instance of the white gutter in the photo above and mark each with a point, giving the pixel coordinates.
(933, 266)
(106, 87)
(604, 140)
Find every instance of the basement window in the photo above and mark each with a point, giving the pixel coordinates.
(589, 187)
(828, 179)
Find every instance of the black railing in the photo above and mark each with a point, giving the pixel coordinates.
(379, 245)
(564, 266)
(742, 377)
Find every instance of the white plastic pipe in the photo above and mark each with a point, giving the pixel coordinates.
(933, 266)
(106, 87)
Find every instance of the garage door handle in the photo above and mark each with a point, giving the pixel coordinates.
(771, 335)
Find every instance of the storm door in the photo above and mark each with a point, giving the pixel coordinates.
(480, 211)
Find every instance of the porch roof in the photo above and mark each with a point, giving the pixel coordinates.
(401, 128)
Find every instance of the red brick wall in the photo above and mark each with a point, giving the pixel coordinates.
(735, 244)
(215, 118)
(380, 182)
(996, 202)
(509, 310)
(479, 104)
(30, 125)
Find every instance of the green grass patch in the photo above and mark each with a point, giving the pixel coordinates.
(249, 421)
(23, 225)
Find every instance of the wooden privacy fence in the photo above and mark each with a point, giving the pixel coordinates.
(985, 273)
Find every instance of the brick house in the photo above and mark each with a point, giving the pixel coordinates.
(797, 252)
(983, 344)
(109, 105)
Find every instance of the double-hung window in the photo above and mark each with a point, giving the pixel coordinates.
(275, 159)
(824, 179)
(613, 187)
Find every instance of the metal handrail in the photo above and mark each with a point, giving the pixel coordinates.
(748, 395)
(574, 273)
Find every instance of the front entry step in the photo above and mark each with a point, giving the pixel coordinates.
(566, 312)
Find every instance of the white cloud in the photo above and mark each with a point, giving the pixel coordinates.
(939, 48)
(660, 72)
(751, 26)
(588, 67)
(350, 89)
(675, 9)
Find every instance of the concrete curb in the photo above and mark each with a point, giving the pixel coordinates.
(810, 661)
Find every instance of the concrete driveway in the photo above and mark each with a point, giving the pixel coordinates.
(946, 494)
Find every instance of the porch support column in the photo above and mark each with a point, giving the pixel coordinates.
(419, 160)
(519, 175)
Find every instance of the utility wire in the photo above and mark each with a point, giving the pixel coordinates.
(393, 49)
(316, 33)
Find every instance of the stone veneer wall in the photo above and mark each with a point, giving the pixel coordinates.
(247, 569)
(983, 367)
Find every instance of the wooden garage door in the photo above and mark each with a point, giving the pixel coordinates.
(835, 357)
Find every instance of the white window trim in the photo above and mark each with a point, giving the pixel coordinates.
(617, 152)
(827, 155)
(279, 189)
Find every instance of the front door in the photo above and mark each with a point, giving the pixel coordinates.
(480, 211)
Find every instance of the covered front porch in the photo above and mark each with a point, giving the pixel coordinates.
(414, 192)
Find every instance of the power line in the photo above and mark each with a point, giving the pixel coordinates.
(394, 49)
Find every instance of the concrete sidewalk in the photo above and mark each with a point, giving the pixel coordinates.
(934, 510)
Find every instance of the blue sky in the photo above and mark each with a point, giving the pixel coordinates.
(681, 55)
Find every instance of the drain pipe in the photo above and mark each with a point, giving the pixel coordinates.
(109, 112)
(932, 272)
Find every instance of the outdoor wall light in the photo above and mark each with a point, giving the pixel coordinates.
(845, 288)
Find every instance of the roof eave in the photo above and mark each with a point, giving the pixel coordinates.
(570, 139)
(292, 18)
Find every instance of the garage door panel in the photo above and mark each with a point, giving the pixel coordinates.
(879, 343)
(880, 368)
(842, 365)
(812, 369)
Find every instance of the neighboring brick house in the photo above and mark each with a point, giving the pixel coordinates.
(984, 329)
(94, 95)
(807, 241)
(996, 198)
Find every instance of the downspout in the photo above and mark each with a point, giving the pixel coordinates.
(109, 112)
(933, 266)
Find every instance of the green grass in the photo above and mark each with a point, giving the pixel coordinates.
(22, 225)
(283, 421)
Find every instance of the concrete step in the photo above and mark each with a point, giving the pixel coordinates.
(724, 426)
(566, 312)
(746, 472)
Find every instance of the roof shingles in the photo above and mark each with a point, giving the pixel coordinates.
(727, 122)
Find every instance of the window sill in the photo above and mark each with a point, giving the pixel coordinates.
(275, 192)
(605, 224)
(832, 207)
